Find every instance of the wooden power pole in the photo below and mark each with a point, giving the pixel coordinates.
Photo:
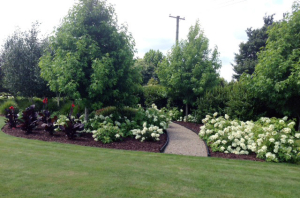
(177, 25)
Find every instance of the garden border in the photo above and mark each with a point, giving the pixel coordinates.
(162, 149)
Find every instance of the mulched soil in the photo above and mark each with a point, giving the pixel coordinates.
(86, 139)
(196, 128)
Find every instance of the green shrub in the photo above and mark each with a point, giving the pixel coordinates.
(213, 101)
(155, 94)
(106, 111)
(65, 109)
(107, 133)
(8, 104)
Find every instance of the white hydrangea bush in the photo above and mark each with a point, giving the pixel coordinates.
(271, 139)
(151, 133)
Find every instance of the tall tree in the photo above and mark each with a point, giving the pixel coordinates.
(190, 68)
(276, 77)
(246, 59)
(91, 57)
(149, 64)
(20, 57)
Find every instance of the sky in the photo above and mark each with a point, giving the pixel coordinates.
(224, 21)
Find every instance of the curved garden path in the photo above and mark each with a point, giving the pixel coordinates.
(183, 141)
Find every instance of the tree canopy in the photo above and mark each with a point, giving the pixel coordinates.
(19, 64)
(91, 57)
(149, 64)
(276, 77)
(246, 59)
(191, 67)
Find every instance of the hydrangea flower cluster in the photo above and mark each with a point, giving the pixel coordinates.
(147, 133)
(107, 133)
(271, 139)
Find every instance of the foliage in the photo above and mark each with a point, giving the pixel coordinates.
(190, 68)
(20, 56)
(107, 133)
(109, 128)
(276, 78)
(214, 100)
(155, 94)
(175, 114)
(12, 116)
(70, 125)
(271, 139)
(91, 57)
(29, 119)
(8, 104)
(49, 125)
(148, 133)
(246, 59)
(149, 64)
(45, 115)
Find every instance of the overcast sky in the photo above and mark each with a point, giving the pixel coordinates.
(224, 21)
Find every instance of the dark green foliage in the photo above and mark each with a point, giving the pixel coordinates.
(65, 109)
(246, 59)
(20, 57)
(214, 100)
(12, 116)
(29, 119)
(91, 57)
(72, 126)
(276, 77)
(116, 113)
(6, 104)
(149, 64)
(155, 94)
(190, 68)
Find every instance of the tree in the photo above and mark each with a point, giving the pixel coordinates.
(149, 64)
(276, 76)
(91, 57)
(20, 58)
(190, 68)
(246, 59)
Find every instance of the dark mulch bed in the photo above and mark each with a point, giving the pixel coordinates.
(196, 128)
(86, 139)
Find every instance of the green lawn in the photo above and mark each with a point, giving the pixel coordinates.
(30, 168)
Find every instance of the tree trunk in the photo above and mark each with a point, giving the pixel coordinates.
(86, 114)
(186, 111)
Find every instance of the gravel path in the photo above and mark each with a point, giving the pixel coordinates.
(183, 141)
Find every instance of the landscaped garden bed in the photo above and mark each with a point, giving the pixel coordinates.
(86, 139)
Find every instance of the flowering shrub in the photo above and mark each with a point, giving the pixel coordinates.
(147, 133)
(175, 114)
(107, 133)
(106, 128)
(271, 139)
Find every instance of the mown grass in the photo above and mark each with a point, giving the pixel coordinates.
(31, 168)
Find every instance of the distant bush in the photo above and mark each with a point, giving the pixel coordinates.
(155, 94)
(8, 104)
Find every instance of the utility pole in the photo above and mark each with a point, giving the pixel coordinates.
(177, 25)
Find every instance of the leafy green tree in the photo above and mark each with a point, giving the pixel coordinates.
(149, 64)
(20, 57)
(91, 57)
(246, 59)
(190, 68)
(276, 77)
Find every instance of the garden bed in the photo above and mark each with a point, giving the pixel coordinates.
(86, 139)
(196, 128)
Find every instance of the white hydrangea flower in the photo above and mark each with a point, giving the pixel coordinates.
(226, 116)
(215, 114)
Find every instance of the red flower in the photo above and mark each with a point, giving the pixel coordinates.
(45, 101)
(73, 105)
(12, 108)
